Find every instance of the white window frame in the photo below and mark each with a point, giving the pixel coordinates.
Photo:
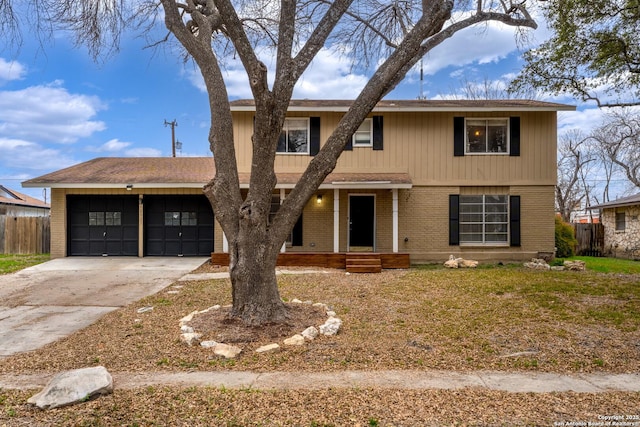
(483, 222)
(361, 132)
(487, 120)
(286, 130)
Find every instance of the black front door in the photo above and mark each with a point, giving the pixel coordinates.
(102, 225)
(178, 225)
(361, 222)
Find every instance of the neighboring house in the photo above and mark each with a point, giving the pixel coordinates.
(621, 221)
(473, 179)
(16, 204)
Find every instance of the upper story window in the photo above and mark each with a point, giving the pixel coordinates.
(294, 137)
(487, 136)
(363, 137)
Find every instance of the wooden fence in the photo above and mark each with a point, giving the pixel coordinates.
(24, 235)
(590, 239)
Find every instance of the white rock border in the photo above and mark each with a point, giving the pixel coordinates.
(330, 327)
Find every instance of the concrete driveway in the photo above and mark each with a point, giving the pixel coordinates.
(46, 302)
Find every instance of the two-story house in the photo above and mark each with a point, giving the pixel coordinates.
(425, 178)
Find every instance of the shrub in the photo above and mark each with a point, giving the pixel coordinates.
(565, 239)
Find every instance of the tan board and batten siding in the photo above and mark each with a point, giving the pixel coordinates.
(421, 144)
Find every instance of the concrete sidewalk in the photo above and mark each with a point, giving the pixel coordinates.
(514, 382)
(49, 301)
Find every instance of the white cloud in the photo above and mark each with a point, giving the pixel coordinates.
(48, 113)
(328, 77)
(19, 154)
(112, 145)
(143, 152)
(12, 144)
(11, 70)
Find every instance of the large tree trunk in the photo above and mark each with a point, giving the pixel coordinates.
(256, 299)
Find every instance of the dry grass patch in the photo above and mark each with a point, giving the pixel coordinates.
(497, 318)
(194, 407)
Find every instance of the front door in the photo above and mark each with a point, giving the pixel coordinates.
(361, 222)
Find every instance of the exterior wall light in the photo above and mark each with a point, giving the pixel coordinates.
(319, 199)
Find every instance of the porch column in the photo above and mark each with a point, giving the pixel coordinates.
(336, 220)
(394, 216)
(282, 197)
(225, 243)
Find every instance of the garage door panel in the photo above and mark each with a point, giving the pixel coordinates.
(177, 221)
(102, 225)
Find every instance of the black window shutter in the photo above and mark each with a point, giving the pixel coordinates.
(454, 219)
(514, 220)
(377, 133)
(458, 136)
(296, 234)
(514, 137)
(314, 135)
(349, 145)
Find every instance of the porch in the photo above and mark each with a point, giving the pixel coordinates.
(353, 262)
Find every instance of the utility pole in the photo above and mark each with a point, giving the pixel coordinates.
(173, 125)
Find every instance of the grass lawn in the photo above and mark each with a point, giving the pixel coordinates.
(503, 318)
(10, 263)
(610, 265)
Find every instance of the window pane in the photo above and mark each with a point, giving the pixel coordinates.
(620, 222)
(172, 218)
(189, 218)
(282, 142)
(297, 141)
(96, 218)
(497, 136)
(476, 137)
(472, 199)
(471, 217)
(112, 218)
(363, 134)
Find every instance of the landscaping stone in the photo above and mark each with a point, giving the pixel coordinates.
(310, 333)
(575, 265)
(227, 351)
(79, 385)
(297, 339)
(208, 344)
(454, 262)
(190, 337)
(145, 309)
(186, 329)
(331, 326)
(268, 347)
(537, 264)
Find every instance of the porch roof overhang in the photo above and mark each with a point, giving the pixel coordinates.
(188, 172)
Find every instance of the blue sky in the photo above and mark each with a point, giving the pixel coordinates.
(59, 108)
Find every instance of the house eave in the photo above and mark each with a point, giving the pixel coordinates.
(120, 185)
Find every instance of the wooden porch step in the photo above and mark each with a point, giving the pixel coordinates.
(363, 263)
